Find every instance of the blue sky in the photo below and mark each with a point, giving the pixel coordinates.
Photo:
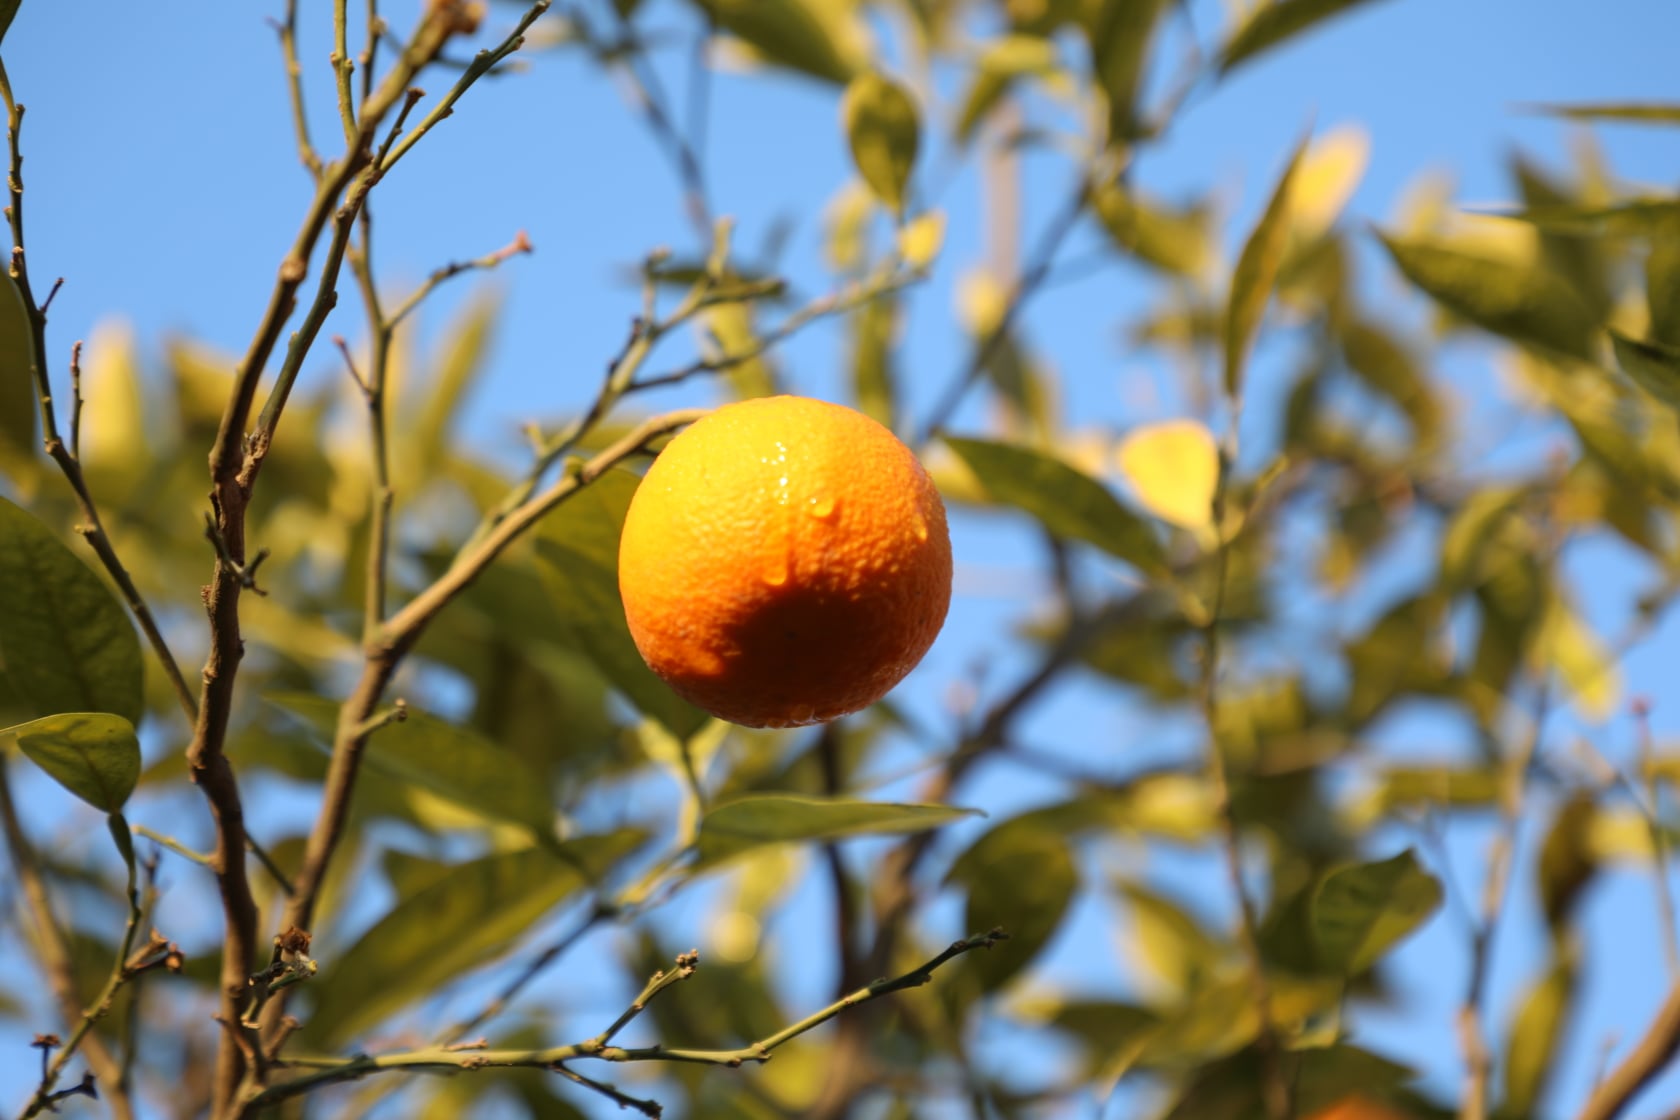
(163, 184)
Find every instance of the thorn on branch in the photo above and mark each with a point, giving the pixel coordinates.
(350, 366)
(57, 284)
(245, 573)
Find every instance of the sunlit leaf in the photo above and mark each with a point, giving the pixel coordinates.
(1330, 171)
(1586, 667)
(875, 331)
(465, 350)
(751, 822)
(578, 549)
(1276, 22)
(1068, 503)
(1537, 1027)
(1120, 34)
(1177, 241)
(94, 755)
(1567, 861)
(813, 38)
(1636, 218)
(1359, 912)
(1173, 469)
(920, 240)
(464, 918)
(1472, 526)
(452, 762)
(1167, 940)
(65, 642)
(1388, 368)
(1257, 267)
(884, 131)
(1003, 62)
(1655, 366)
(1631, 112)
(18, 443)
(1521, 303)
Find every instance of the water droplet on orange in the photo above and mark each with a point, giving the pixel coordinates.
(824, 506)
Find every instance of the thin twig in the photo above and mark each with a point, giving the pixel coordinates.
(330, 1070)
(533, 968)
(1653, 1053)
(343, 67)
(287, 30)
(612, 1093)
(520, 244)
(649, 94)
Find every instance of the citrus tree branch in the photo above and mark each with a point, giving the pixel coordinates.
(330, 1070)
(1654, 1052)
(287, 31)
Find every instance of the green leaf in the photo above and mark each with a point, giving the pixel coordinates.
(884, 131)
(1003, 62)
(1525, 304)
(1021, 876)
(1631, 112)
(578, 550)
(8, 11)
(1066, 501)
(1275, 23)
(1176, 241)
(875, 330)
(798, 34)
(1645, 217)
(1359, 912)
(751, 822)
(1567, 861)
(1655, 366)
(1473, 525)
(455, 763)
(1379, 360)
(1256, 272)
(1536, 1029)
(1120, 34)
(460, 920)
(94, 755)
(18, 443)
(466, 345)
(65, 642)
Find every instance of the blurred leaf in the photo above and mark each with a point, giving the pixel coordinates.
(884, 131)
(93, 755)
(65, 642)
(1276, 22)
(461, 920)
(799, 34)
(1003, 61)
(1662, 287)
(919, 242)
(1120, 34)
(1337, 1082)
(1105, 1029)
(1654, 366)
(1379, 360)
(875, 330)
(1636, 218)
(1173, 469)
(1329, 174)
(578, 548)
(1628, 111)
(8, 10)
(1257, 268)
(750, 822)
(1531, 1049)
(452, 762)
(1567, 861)
(1583, 663)
(1168, 940)
(1177, 241)
(1068, 503)
(729, 334)
(18, 443)
(1472, 526)
(1525, 304)
(465, 347)
(1020, 876)
(1394, 657)
(1359, 912)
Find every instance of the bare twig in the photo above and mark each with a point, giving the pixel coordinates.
(612, 1093)
(329, 1070)
(520, 244)
(533, 968)
(343, 67)
(1653, 1053)
(287, 31)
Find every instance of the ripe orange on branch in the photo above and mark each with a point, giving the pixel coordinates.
(785, 561)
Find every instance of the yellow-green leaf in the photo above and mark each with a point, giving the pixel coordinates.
(1536, 1029)
(751, 822)
(810, 36)
(920, 240)
(1120, 34)
(1275, 22)
(94, 755)
(1173, 469)
(1655, 366)
(1630, 112)
(17, 374)
(1004, 61)
(1176, 240)
(884, 130)
(1359, 912)
(65, 642)
(1582, 662)
(1066, 501)
(1251, 284)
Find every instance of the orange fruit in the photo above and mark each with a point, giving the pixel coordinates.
(784, 562)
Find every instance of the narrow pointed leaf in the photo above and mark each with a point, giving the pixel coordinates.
(462, 919)
(1120, 34)
(1275, 23)
(1536, 1030)
(1360, 912)
(1069, 503)
(1256, 272)
(453, 762)
(1631, 112)
(94, 755)
(578, 554)
(1655, 366)
(746, 823)
(1647, 217)
(797, 34)
(65, 643)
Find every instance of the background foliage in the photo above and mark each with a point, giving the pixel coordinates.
(1340, 626)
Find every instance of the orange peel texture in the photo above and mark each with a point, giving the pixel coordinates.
(784, 562)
